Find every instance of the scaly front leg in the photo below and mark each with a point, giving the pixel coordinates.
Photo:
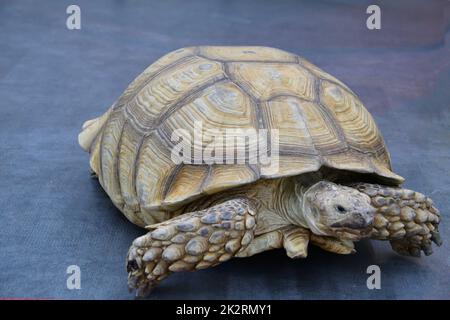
(405, 217)
(189, 242)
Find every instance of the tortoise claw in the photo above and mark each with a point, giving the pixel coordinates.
(405, 217)
(436, 237)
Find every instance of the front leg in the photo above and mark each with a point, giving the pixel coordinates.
(294, 240)
(261, 243)
(405, 217)
(189, 242)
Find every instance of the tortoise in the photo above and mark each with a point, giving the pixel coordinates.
(332, 184)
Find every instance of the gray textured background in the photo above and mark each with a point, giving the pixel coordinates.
(52, 79)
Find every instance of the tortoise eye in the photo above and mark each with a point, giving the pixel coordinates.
(341, 209)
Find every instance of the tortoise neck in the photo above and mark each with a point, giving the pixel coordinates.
(291, 207)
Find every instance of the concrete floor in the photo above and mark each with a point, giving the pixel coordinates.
(52, 79)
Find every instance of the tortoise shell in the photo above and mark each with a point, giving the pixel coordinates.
(320, 123)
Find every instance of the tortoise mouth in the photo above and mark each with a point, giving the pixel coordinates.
(352, 234)
(355, 226)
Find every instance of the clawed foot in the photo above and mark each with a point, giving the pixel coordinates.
(405, 217)
(413, 246)
(192, 241)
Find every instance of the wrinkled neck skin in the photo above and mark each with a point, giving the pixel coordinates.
(296, 209)
(292, 206)
(281, 202)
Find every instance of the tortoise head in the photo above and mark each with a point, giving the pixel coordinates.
(334, 210)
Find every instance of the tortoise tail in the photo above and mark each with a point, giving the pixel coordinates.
(91, 129)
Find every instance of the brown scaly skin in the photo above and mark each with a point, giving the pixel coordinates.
(406, 218)
(191, 241)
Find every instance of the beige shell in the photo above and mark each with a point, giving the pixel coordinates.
(320, 122)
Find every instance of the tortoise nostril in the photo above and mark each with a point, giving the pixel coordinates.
(364, 219)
